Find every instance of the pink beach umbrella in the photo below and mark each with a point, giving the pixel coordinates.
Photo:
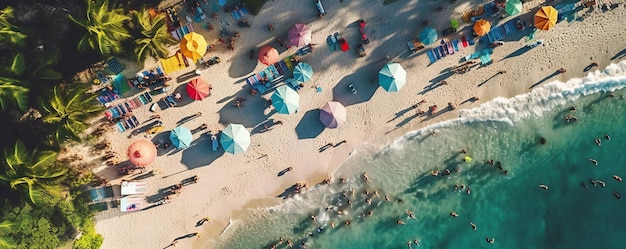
(268, 55)
(300, 35)
(142, 152)
(333, 114)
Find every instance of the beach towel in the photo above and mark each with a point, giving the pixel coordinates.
(436, 53)
(120, 127)
(238, 14)
(455, 44)
(174, 63)
(148, 97)
(441, 51)
(431, 56)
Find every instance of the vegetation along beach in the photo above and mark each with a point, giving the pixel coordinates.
(312, 124)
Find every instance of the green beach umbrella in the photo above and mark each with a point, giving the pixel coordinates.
(392, 77)
(303, 72)
(454, 23)
(235, 139)
(513, 7)
(285, 100)
(428, 36)
(181, 137)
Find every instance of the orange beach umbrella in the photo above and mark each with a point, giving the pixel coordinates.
(193, 46)
(546, 17)
(268, 55)
(482, 27)
(142, 152)
(198, 89)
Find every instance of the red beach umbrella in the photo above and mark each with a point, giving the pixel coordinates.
(268, 55)
(142, 152)
(198, 89)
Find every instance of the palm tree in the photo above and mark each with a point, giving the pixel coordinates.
(33, 174)
(105, 28)
(153, 38)
(69, 109)
(9, 33)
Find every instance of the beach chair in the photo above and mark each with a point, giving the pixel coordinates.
(431, 56)
(135, 120)
(455, 44)
(436, 53)
(490, 8)
(148, 97)
(120, 127)
(464, 41)
(128, 107)
(320, 8)
(442, 51)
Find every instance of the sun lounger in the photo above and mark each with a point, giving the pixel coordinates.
(450, 48)
(320, 8)
(455, 44)
(436, 53)
(148, 97)
(120, 127)
(490, 8)
(431, 56)
(442, 51)
(240, 12)
(131, 203)
(485, 59)
(135, 120)
(170, 99)
(214, 142)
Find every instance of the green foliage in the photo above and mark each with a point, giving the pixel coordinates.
(9, 33)
(68, 110)
(12, 91)
(105, 28)
(152, 37)
(6, 242)
(90, 239)
(34, 174)
(35, 228)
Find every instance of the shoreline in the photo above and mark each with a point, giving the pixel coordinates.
(230, 184)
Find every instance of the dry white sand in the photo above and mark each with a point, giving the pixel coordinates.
(228, 182)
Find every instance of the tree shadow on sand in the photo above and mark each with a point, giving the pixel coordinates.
(310, 126)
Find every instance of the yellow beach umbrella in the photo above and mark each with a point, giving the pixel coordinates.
(546, 17)
(482, 27)
(193, 46)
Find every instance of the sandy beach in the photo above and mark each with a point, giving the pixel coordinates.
(228, 183)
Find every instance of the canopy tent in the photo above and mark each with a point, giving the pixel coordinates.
(333, 114)
(193, 46)
(141, 153)
(428, 36)
(181, 137)
(131, 203)
(392, 77)
(303, 72)
(133, 187)
(268, 55)
(513, 7)
(300, 35)
(482, 27)
(546, 18)
(285, 100)
(235, 139)
(198, 89)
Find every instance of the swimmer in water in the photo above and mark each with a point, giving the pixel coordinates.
(598, 141)
(352, 191)
(369, 213)
(582, 184)
(332, 224)
(593, 182)
(365, 177)
(602, 183)
(572, 108)
(543, 186)
(344, 195)
(347, 223)
(342, 180)
(617, 195)
(607, 137)
(408, 244)
(417, 242)
(491, 240)
(594, 161)
(468, 190)
(410, 214)
(387, 198)
(473, 226)
(400, 222)
(369, 201)
(314, 218)
(400, 201)
(454, 214)
(618, 178)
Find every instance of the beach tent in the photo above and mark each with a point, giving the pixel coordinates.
(513, 7)
(546, 17)
(303, 72)
(428, 36)
(268, 55)
(235, 139)
(392, 77)
(333, 114)
(181, 137)
(285, 100)
(141, 153)
(193, 46)
(482, 27)
(131, 203)
(300, 35)
(198, 89)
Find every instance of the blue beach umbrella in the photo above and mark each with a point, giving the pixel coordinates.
(181, 137)
(235, 139)
(285, 100)
(513, 7)
(392, 77)
(428, 36)
(303, 72)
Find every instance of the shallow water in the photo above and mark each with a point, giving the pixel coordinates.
(510, 208)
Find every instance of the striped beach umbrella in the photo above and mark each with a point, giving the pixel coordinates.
(513, 7)
(392, 77)
(141, 153)
(482, 27)
(235, 139)
(198, 89)
(333, 114)
(285, 100)
(193, 46)
(303, 72)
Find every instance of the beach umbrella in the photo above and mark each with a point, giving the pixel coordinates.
(392, 77)
(181, 137)
(454, 23)
(235, 139)
(141, 153)
(285, 100)
(303, 72)
(482, 27)
(198, 89)
(268, 55)
(333, 114)
(193, 46)
(513, 7)
(428, 36)
(300, 35)
(546, 17)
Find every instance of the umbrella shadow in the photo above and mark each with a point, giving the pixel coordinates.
(310, 126)
(249, 114)
(200, 153)
(163, 138)
(365, 82)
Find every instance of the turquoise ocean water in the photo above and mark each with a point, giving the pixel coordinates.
(511, 208)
